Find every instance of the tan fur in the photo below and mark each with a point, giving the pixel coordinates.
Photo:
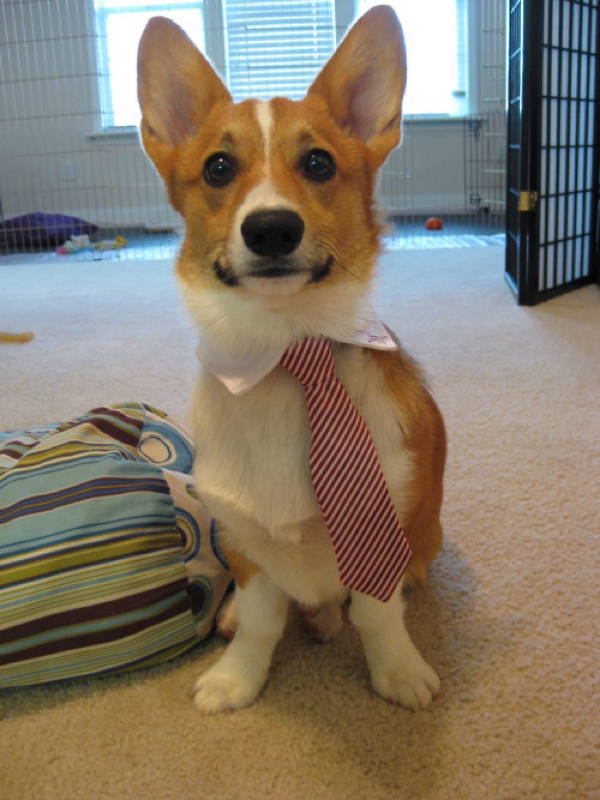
(209, 211)
(253, 470)
(340, 218)
(426, 437)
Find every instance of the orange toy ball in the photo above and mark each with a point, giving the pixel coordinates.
(434, 224)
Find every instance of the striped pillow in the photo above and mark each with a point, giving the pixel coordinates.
(108, 560)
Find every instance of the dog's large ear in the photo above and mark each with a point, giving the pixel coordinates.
(363, 82)
(177, 87)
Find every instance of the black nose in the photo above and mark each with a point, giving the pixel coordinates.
(272, 233)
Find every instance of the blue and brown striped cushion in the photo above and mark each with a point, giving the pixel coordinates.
(108, 560)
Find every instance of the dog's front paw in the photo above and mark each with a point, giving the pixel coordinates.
(221, 690)
(412, 685)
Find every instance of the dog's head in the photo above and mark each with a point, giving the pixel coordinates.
(277, 196)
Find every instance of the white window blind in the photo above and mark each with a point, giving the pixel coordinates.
(277, 48)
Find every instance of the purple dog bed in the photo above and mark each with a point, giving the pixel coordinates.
(42, 230)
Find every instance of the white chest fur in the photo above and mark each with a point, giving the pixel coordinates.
(252, 463)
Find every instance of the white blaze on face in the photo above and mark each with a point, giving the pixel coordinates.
(264, 117)
(264, 195)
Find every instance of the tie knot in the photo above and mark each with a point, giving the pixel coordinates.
(311, 361)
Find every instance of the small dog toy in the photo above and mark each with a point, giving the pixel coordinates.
(118, 243)
(76, 244)
(82, 244)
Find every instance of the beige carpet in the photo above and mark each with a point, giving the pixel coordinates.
(509, 620)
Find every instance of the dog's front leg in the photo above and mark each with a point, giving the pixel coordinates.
(238, 676)
(398, 671)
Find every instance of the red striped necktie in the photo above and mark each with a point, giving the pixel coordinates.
(371, 549)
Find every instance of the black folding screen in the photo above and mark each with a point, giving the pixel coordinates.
(553, 147)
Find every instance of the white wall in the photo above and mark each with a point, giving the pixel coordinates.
(425, 175)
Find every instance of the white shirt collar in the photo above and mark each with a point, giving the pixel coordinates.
(240, 374)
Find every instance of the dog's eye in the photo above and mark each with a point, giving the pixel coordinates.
(318, 165)
(219, 169)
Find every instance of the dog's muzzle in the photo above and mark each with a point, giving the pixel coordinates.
(273, 237)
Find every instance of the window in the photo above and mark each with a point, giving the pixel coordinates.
(120, 25)
(278, 46)
(261, 47)
(269, 47)
(436, 43)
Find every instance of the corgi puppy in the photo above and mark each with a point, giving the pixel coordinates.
(281, 243)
